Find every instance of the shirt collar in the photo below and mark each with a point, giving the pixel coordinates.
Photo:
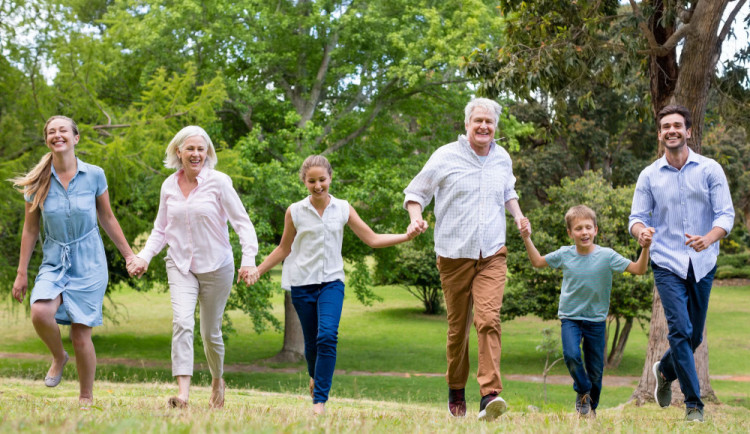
(80, 167)
(309, 205)
(464, 141)
(202, 175)
(693, 157)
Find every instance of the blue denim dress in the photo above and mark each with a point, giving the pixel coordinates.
(74, 263)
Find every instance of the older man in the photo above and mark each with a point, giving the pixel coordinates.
(472, 182)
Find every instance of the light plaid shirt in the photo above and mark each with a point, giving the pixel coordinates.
(470, 197)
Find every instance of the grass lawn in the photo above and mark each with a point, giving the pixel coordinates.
(392, 336)
(121, 407)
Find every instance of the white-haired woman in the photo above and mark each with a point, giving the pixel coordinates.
(195, 204)
(69, 196)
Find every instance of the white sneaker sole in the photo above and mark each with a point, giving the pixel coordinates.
(493, 410)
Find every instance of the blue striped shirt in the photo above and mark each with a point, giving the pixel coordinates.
(692, 200)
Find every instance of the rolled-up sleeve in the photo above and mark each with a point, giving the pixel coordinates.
(721, 198)
(422, 188)
(643, 202)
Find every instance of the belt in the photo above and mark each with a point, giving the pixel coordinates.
(65, 262)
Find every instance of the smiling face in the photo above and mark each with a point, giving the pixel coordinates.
(192, 154)
(672, 132)
(317, 180)
(480, 130)
(60, 136)
(583, 230)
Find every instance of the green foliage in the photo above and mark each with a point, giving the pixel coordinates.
(536, 291)
(733, 266)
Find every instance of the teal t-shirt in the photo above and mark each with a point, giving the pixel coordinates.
(587, 281)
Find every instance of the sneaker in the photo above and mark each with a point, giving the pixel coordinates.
(583, 404)
(693, 414)
(663, 390)
(491, 407)
(457, 402)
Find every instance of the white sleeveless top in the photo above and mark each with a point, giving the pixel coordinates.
(316, 249)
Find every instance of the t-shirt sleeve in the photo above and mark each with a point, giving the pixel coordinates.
(554, 259)
(617, 262)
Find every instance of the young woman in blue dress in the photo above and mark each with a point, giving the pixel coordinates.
(68, 196)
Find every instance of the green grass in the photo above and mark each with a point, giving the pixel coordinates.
(392, 336)
(120, 407)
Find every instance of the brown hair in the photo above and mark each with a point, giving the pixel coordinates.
(35, 183)
(577, 212)
(314, 161)
(674, 109)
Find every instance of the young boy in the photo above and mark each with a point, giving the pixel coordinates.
(584, 299)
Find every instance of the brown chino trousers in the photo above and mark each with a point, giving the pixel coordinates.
(479, 284)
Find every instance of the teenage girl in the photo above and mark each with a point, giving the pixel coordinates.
(314, 268)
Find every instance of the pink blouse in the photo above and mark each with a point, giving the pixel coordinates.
(195, 227)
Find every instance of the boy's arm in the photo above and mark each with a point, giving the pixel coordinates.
(640, 267)
(536, 259)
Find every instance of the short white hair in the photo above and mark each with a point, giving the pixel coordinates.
(485, 103)
(172, 161)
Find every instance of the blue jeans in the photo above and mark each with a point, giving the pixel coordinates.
(319, 310)
(586, 373)
(685, 303)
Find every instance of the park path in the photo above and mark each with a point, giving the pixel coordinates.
(609, 380)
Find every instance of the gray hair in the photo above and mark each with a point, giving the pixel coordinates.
(485, 103)
(172, 161)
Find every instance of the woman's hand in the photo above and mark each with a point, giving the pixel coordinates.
(137, 266)
(20, 286)
(248, 274)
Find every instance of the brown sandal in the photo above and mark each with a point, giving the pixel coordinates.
(176, 402)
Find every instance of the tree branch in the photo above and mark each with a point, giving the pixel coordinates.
(654, 47)
(730, 19)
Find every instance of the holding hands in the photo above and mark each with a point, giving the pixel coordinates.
(248, 274)
(524, 225)
(646, 236)
(416, 227)
(137, 266)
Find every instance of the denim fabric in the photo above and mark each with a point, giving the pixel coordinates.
(685, 303)
(586, 373)
(318, 307)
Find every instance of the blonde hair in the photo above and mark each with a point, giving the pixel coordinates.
(172, 161)
(314, 161)
(577, 212)
(35, 183)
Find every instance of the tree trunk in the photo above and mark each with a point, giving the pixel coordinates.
(657, 345)
(618, 344)
(294, 343)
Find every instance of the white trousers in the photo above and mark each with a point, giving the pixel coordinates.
(211, 290)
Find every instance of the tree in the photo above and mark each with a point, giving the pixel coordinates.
(552, 45)
(537, 291)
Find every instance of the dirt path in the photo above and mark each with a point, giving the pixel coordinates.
(609, 380)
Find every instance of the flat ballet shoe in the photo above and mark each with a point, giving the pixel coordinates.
(54, 381)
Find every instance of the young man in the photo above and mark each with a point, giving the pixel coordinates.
(584, 299)
(473, 184)
(685, 198)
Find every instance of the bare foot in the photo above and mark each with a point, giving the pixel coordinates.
(85, 403)
(218, 387)
(319, 409)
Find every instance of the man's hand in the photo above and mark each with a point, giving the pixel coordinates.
(645, 236)
(698, 242)
(525, 228)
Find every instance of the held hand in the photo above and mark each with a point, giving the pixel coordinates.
(412, 231)
(698, 242)
(137, 266)
(646, 236)
(248, 274)
(419, 225)
(525, 228)
(20, 286)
